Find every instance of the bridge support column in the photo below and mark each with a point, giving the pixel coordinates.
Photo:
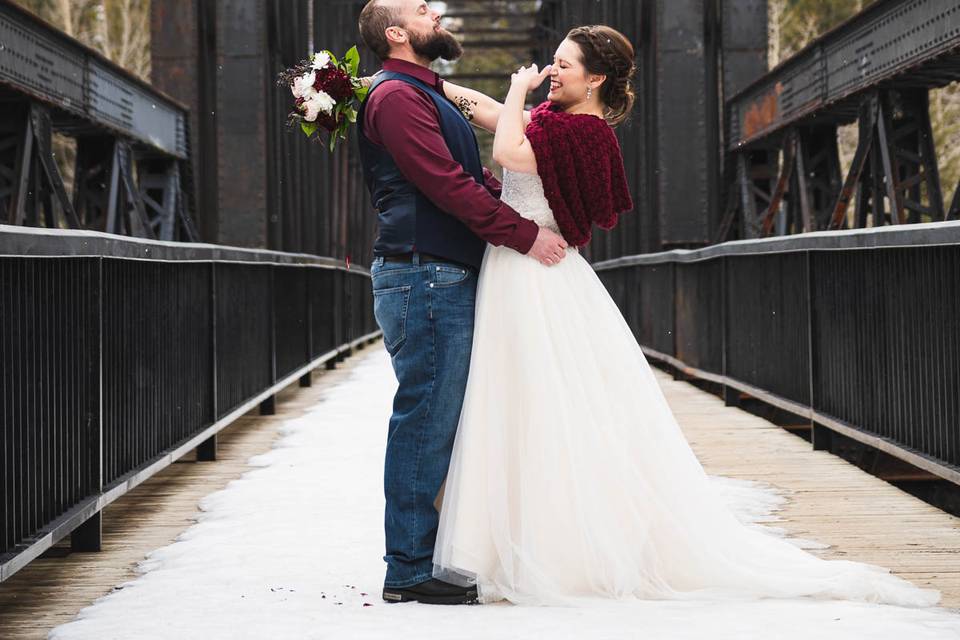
(207, 450)
(821, 437)
(818, 178)
(731, 396)
(89, 535)
(268, 407)
(306, 380)
(35, 195)
(954, 212)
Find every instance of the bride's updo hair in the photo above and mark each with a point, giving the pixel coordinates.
(606, 51)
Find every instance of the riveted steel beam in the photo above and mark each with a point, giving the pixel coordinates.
(896, 43)
(83, 89)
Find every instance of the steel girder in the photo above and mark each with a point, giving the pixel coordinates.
(875, 69)
(35, 193)
(896, 43)
(86, 90)
(113, 190)
(893, 176)
(131, 139)
(895, 165)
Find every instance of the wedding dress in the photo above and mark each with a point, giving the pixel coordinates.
(570, 477)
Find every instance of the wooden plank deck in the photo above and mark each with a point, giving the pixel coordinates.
(832, 502)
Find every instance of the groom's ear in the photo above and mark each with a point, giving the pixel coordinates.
(396, 35)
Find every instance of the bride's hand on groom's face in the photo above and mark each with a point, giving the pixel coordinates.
(530, 78)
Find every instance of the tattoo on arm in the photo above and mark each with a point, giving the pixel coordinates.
(466, 106)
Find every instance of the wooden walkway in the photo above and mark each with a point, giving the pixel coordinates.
(832, 502)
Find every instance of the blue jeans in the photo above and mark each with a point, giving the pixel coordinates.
(426, 314)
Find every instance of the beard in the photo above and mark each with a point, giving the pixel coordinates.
(439, 44)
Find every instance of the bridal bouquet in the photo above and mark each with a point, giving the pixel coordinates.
(327, 94)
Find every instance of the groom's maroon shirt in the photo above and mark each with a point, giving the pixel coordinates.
(402, 119)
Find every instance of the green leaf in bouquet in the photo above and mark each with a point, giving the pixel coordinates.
(352, 58)
(361, 93)
(351, 114)
(333, 142)
(333, 58)
(308, 127)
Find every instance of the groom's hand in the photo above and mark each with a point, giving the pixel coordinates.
(549, 248)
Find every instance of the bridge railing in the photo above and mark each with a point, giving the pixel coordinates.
(121, 355)
(859, 330)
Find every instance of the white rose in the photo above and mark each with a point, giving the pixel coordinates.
(320, 60)
(321, 101)
(303, 86)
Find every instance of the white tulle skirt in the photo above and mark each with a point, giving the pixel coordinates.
(571, 479)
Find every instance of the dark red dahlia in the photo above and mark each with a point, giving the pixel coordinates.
(334, 82)
(327, 121)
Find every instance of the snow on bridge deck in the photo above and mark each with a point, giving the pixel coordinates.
(292, 548)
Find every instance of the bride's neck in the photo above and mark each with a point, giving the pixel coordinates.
(585, 108)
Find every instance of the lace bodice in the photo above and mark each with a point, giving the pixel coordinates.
(524, 193)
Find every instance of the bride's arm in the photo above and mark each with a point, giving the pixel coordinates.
(483, 110)
(511, 149)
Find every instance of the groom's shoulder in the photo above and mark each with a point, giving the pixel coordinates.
(394, 97)
(396, 88)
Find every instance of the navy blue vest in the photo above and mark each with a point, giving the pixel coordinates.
(409, 221)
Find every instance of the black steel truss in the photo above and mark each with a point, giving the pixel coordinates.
(36, 195)
(113, 190)
(132, 172)
(893, 43)
(876, 69)
(86, 91)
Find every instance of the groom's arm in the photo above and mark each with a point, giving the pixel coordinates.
(406, 123)
(492, 184)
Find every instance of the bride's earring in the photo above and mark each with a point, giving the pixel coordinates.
(589, 92)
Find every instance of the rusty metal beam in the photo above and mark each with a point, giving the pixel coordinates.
(853, 58)
(868, 115)
(786, 172)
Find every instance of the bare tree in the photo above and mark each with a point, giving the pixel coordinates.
(774, 23)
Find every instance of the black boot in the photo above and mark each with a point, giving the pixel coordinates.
(432, 591)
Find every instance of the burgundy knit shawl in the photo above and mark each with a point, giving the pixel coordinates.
(581, 166)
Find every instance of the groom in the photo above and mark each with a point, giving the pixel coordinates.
(437, 207)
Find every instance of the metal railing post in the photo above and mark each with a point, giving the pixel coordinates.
(207, 451)
(268, 406)
(89, 535)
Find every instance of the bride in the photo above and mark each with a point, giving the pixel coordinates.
(570, 477)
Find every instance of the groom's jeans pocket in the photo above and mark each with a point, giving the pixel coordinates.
(390, 308)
